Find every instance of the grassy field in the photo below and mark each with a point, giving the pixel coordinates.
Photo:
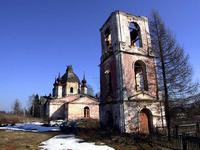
(87, 130)
(17, 140)
(119, 142)
(12, 119)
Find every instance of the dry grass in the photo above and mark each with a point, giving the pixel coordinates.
(16, 140)
(115, 140)
(12, 119)
(89, 130)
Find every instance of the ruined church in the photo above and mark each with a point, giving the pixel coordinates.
(129, 97)
(129, 100)
(70, 99)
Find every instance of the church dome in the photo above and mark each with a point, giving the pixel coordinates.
(69, 76)
(84, 82)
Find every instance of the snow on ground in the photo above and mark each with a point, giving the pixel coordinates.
(70, 142)
(33, 127)
(59, 142)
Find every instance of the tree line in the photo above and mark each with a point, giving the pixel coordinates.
(33, 109)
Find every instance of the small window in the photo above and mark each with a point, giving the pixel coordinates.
(109, 80)
(71, 90)
(140, 76)
(107, 36)
(86, 112)
(135, 36)
(63, 91)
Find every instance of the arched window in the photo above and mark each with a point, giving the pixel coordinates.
(86, 112)
(140, 76)
(109, 80)
(71, 90)
(135, 35)
(107, 36)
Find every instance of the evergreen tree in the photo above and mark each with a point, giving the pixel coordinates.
(35, 105)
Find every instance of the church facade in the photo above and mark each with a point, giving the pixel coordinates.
(70, 100)
(129, 97)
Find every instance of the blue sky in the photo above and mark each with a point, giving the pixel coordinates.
(39, 38)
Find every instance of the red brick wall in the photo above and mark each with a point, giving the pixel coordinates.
(129, 74)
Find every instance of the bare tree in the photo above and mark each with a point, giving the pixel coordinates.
(30, 104)
(17, 108)
(174, 72)
(90, 90)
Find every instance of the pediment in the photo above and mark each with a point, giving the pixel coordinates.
(141, 95)
(85, 100)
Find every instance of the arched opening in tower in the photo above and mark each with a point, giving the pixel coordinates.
(141, 82)
(107, 36)
(135, 35)
(145, 121)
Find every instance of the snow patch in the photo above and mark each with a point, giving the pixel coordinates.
(70, 142)
(33, 127)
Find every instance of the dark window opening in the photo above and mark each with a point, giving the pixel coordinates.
(107, 36)
(140, 76)
(109, 81)
(135, 37)
(109, 121)
(86, 112)
(71, 90)
(63, 91)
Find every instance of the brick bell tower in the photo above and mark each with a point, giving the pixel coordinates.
(129, 100)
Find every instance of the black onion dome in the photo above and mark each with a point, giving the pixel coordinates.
(59, 81)
(55, 83)
(69, 76)
(84, 82)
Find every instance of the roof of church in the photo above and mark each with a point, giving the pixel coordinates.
(81, 99)
(73, 98)
(69, 76)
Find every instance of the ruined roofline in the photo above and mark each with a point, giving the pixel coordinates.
(123, 13)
